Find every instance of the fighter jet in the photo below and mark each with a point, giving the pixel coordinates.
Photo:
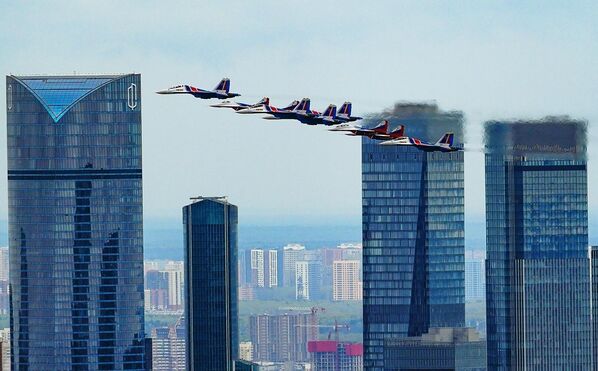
(266, 108)
(328, 117)
(398, 132)
(297, 110)
(221, 91)
(444, 144)
(237, 106)
(344, 113)
(290, 112)
(377, 131)
(302, 110)
(304, 114)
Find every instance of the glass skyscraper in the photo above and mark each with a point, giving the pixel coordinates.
(211, 306)
(538, 281)
(75, 222)
(413, 232)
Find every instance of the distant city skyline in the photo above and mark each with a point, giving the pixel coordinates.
(490, 60)
(317, 249)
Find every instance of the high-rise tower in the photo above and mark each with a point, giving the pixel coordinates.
(75, 222)
(413, 232)
(538, 298)
(211, 308)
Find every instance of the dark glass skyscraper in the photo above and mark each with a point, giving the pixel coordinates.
(75, 222)
(413, 232)
(211, 312)
(538, 280)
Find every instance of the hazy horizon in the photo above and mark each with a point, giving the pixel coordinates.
(490, 60)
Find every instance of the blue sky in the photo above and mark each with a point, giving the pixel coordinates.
(491, 60)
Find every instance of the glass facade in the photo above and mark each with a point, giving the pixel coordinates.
(75, 222)
(426, 353)
(413, 232)
(211, 306)
(594, 267)
(537, 269)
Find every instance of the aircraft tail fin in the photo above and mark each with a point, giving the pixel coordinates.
(398, 132)
(330, 112)
(381, 128)
(223, 85)
(263, 101)
(446, 139)
(303, 105)
(291, 106)
(345, 109)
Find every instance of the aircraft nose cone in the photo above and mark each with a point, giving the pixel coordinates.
(165, 91)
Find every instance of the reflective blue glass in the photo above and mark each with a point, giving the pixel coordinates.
(59, 94)
(75, 225)
(211, 309)
(538, 297)
(413, 233)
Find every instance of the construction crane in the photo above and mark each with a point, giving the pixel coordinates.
(313, 335)
(312, 310)
(334, 328)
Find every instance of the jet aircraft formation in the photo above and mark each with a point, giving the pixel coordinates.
(301, 111)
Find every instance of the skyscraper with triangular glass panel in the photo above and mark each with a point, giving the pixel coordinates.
(75, 222)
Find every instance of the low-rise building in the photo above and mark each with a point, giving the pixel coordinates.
(246, 351)
(444, 348)
(330, 355)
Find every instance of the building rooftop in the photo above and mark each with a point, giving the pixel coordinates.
(220, 199)
(59, 93)
(440, 335)
(350, 246)
(554, 135)
(294, 246)
(331, 346)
